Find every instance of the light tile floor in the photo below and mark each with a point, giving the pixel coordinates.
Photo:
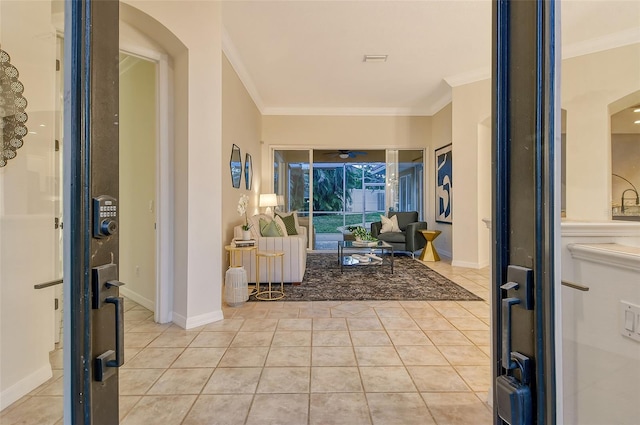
(307, 363)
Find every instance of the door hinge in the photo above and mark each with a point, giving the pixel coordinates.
(57, 224)
(56, 145)
(57, 65)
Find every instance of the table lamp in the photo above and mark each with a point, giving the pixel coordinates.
(268, 200)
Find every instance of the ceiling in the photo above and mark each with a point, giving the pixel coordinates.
(306, 57)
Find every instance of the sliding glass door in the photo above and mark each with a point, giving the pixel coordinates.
(340, 189)
(291, 184)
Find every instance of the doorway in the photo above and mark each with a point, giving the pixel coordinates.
(138, 141)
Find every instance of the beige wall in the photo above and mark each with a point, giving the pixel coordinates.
(472, 191)
(441, 135)
(242, 125)
(590, 84)
(196, 110)
(137, 200)
(342, 132)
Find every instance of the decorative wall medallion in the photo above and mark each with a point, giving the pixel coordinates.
(12, 105)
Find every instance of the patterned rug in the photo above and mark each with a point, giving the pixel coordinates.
(411, 280)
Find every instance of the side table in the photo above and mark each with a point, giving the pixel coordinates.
(270, 294)
(235, 260)
(429, 252)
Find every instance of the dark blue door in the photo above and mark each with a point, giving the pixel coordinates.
(525, 215)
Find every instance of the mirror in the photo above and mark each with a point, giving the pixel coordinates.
(236, 166)
(248, 171)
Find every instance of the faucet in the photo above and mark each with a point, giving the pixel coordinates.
(637, 198)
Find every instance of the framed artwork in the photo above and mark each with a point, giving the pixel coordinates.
(444, 184)
(248, 171)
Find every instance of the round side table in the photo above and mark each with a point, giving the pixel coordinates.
(270, 294)
(429, 252)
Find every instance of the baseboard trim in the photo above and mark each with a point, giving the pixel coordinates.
(444, 254)
(137, 298)
(194, 322)
(467, 264)
(25, 386)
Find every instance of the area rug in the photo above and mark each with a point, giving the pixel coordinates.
(411, 280)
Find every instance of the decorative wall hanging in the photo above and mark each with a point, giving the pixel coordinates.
(236, 166)
(12, 109)
(444, 184)
(248, 171)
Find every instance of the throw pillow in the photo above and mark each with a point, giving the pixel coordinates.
(254, 222)
(389, 224)
(269, 228)
(290, 222)
(281, 225)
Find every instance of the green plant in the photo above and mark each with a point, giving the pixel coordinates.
(360, 233)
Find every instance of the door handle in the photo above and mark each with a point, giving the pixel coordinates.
(507, 363)
(118, 302)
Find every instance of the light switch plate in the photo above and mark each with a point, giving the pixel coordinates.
(629, 320)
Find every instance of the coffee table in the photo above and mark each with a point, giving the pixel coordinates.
(363, 251)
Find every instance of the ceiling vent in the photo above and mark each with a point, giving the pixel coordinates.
(375, 58)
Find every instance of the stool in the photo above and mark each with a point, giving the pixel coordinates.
(236, 289)
(270, 294)
(429, 252)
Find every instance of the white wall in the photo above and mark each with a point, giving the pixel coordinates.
(590, 84)
(27, 234)
(137, 203)
(601, 374)
(197, 110)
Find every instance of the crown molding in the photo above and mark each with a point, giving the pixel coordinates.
(468, 77)
(594, 45)
(232, 54)
(438, 104)
(347, 111)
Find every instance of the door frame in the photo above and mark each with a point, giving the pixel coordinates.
(526, 209)
(164, 179)
(94, 330)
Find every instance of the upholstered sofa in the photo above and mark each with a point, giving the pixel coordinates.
(293, 246)
(408, 238)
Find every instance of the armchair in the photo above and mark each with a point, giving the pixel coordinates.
(408, 238)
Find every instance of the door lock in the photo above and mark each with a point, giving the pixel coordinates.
(105, 216)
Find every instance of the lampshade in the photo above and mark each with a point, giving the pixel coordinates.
(268, 200)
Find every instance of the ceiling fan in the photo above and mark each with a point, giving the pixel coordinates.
(345, 153)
